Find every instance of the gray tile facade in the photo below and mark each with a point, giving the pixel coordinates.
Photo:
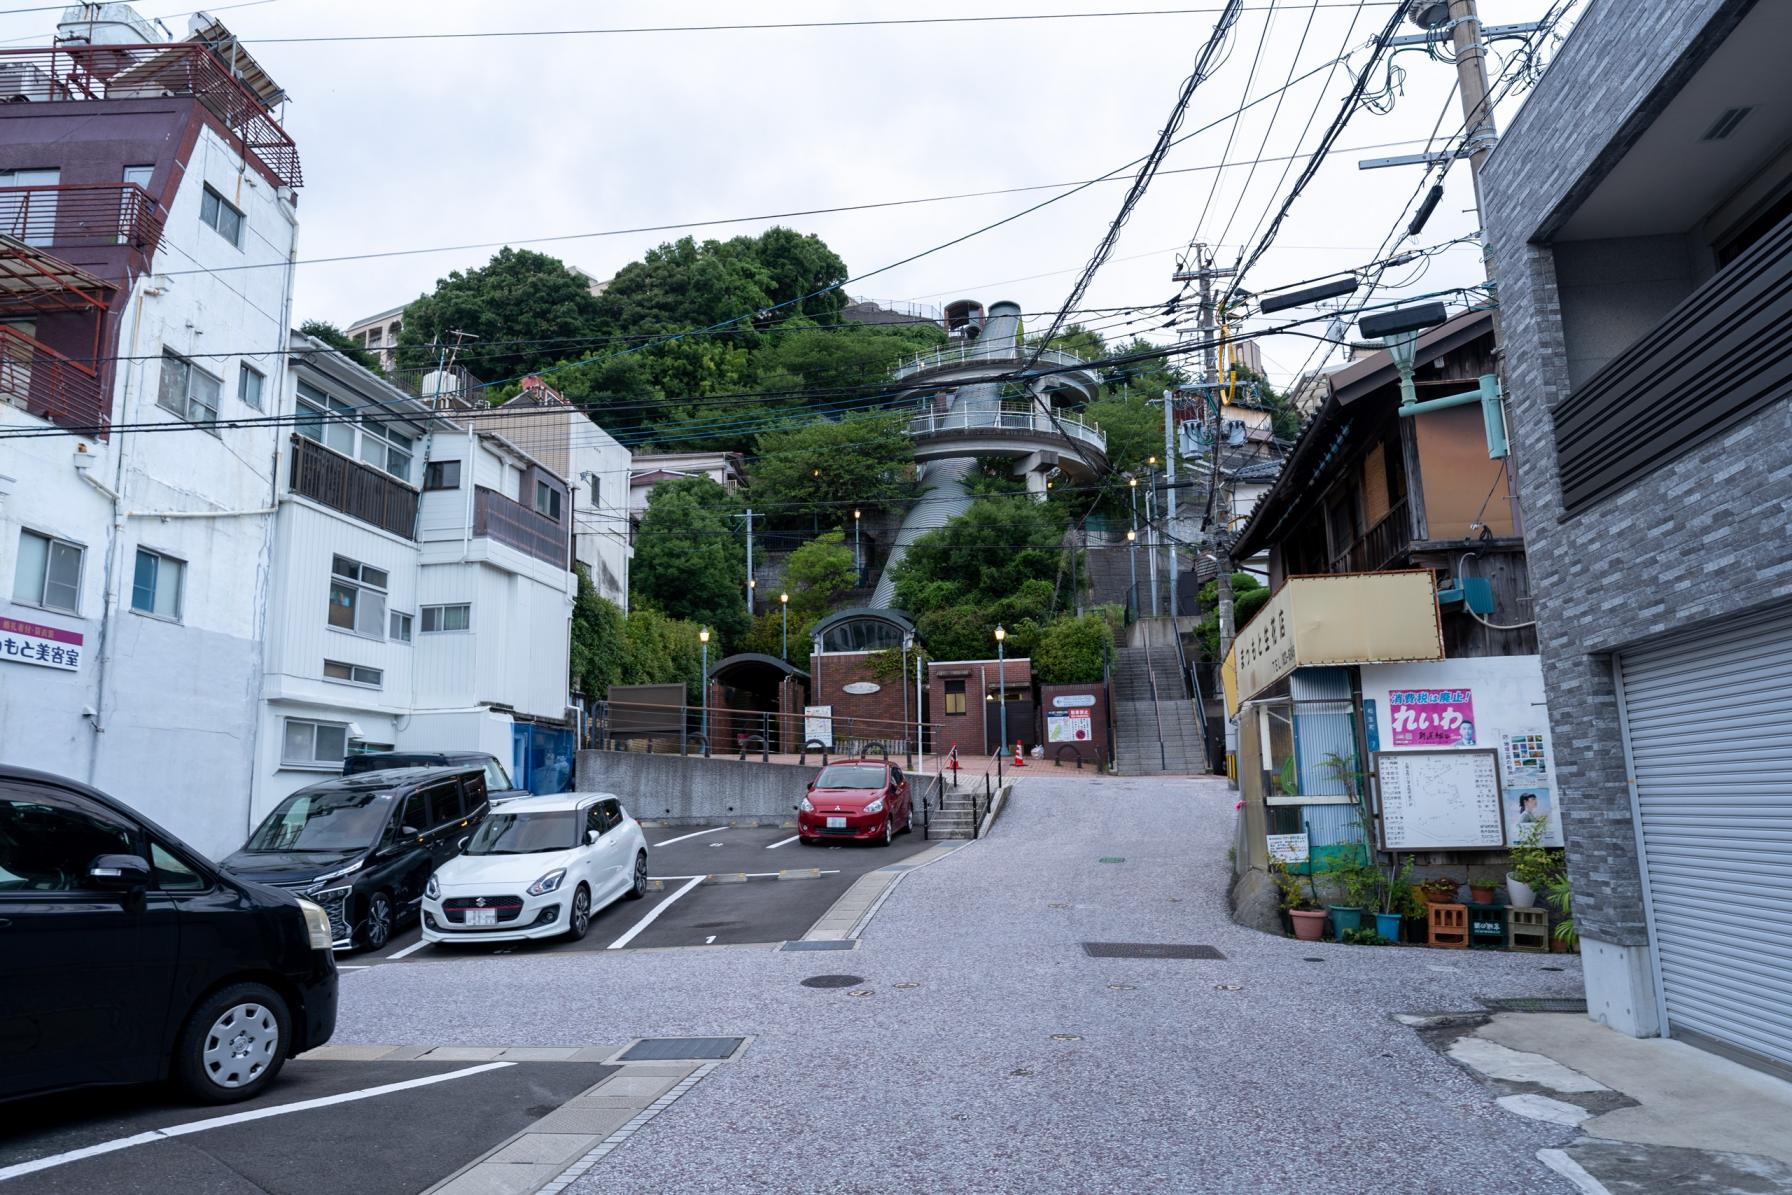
(1705, 536)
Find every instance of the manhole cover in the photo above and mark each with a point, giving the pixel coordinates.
(1532, 1003)
(681, 1049)
(1058, 904)
(905, 986)
(1551, 968)
(833, 981)
(1122, 987)
(1228, 987)
(1067, 1037)
(860, 992)
(1149, 950)
(844, 944)
(1113, 858)
(1312, 959)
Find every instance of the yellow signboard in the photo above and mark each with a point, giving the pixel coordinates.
(1344, 618)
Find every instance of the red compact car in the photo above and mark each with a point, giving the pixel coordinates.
(858, 799)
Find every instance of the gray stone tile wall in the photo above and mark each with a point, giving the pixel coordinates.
(1702, 538)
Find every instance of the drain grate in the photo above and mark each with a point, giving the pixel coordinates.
(681, 1049)
(1149, 950)
(1113, 858)
(1532, 1003)
(842, 944)
(833, 981)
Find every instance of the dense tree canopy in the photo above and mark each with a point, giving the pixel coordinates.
(1073, 650)
(822, 472)
(527, 309)
(987, 555)
(339, 340)
(690, 557)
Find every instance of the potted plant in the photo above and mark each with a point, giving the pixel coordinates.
(1299, 902)
(1357, 881)
(1396, 889)
(1438, 890)
(1533, 867)
(1411, 903)
(1480, 889)
(1566, 937)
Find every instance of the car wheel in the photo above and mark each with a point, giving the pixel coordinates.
(233, 1045)
(579, 920)
(639, 888)
(909, 826)
(889, 828)
(376, 928)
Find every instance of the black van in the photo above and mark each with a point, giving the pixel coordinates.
(364, 846)
(498, 786)
(125, 957)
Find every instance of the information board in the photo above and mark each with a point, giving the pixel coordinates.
(1287, 848)
(1440, 800)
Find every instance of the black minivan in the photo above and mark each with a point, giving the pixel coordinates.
(498, 786)
(125, 957)
(364, 846)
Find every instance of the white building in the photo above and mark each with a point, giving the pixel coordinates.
(145, 273)
(420, 594)
(649, 469)
(378, 334)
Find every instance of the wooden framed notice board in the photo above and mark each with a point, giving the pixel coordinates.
(1439, 800)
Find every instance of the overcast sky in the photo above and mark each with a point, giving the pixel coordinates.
(411, 144)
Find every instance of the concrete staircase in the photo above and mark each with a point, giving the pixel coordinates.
(951, 810)
(1156, 731)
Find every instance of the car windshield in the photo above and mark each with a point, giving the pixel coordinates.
(525, 833)
(850, 775)
(327, 821)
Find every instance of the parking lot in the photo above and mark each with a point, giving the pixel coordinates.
(712, 886)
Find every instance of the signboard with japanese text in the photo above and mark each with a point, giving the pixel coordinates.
(818, 725)
(1287, 848)
(1346, 618)
(46, 647)
(1440, 800)
(1432, 717)
(1068, 726)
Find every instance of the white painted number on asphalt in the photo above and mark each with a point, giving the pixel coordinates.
(709, 939)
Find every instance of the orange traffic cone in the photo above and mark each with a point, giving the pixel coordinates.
(1019, 761)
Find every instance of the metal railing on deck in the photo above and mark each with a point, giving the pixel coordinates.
(83, 214)
(973, 354)
(50, 385)
(1030, 421)
(357, 490)
(510, 522)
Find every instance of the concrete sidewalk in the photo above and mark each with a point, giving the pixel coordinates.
(1652, 1115)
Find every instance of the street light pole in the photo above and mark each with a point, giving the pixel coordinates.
(784, 604)
(1132, 542)
(1151, 531)
(858, 566)
(1002, 682)
(703, 638)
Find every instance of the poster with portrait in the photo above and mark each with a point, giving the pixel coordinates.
(1432, 717)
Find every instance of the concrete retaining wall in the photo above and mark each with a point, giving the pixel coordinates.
(679, 790)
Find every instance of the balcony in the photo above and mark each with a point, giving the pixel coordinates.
(1381, 545)
(38, 379)
(356, 490)
(116, 72)
(515, 525)
(1021, 422)
(82, 215)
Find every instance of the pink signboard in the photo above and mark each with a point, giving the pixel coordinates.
(47, 647)
(1432, 717)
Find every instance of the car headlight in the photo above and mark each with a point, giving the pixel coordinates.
(351, 869)
(876, 806)
(432, 890)
(317, 925)
(548, 882)
(807, 806)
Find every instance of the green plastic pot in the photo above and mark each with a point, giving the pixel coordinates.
(1344, 917)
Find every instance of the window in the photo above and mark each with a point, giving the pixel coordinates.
(48, 573)
(441, 475)
(597, 492)
(156, 585)
(171, 872)
(188, 391)
(416, 815)
(373, 338)
(358, 598)
(496, 781)
(955, 697)
(547, 500)
(401, 627)
(30, 217)
(326, 420)
(48, 839)
(249, 385)
(218, 213)
(385, 447)
(309, 744)
(444, 804)
(354, 674)
(437, 619)
(369, 435)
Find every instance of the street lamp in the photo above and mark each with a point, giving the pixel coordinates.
(1151, 531)
(703, 638)
(784, 605)
(858, 568)
(1002, 681)
(1132, 548)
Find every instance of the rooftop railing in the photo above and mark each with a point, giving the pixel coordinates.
(1031, 421)
(78, 214)
(969, 354)
(113, 72)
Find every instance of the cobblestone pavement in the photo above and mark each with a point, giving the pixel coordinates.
(985, 1051)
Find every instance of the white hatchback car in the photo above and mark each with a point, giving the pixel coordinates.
(536, 868)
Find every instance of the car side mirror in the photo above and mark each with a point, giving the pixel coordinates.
(464, 840)
(119, 873)
(409, 831)
(591, 836)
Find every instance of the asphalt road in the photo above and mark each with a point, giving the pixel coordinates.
(687, 908)
(401, 1141)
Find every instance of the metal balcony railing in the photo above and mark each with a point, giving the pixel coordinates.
(1379, 546)
(510, 522)
(1031, 421)
(969, 354)
(38, 379)
(357, 490)
(115, 72)
(82, 215)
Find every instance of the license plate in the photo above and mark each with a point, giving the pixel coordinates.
(482, 916)
(836, 823)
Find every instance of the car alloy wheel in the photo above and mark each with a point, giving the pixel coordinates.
(889, 828)
(580, 920)
(377, 930)
(639, 888)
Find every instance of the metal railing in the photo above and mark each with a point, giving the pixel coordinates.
(84, 214)
(510, 522)
(969, 354)
(357, 490)
(1379, 546)
(38, 379)
(121, 72)
(1031, 421)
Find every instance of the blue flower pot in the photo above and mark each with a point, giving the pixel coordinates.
(1388, 926)
(1344, 917)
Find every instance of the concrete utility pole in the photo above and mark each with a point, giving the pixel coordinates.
(1170, 494)
(749, 560)
(1203, 274)
(1471, 72)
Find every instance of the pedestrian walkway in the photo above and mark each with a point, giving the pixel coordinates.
(976, 1045)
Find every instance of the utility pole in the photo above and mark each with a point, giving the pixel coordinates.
(1151, 534)
(749, 561)
(1203, 274)
(1471, 72)
(1170, 493)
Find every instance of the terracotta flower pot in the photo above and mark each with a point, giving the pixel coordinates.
(1309, 924)
(1434, 897)
(1481, 894)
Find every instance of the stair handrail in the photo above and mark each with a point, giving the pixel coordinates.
(1191, 689)
(1157, 713)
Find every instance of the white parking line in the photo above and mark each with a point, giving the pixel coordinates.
(786, 842)
(751, 875)
(692, 834)
(218, 1122)
(646, 921)
(413, 948)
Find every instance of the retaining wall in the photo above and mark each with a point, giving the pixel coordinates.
(686, 789)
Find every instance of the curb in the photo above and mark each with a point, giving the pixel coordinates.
(847, 917)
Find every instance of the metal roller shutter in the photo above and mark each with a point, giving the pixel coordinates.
(1709, 721)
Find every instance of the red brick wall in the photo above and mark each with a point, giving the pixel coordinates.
(980, 677)
(882, 715)
(1095, 751)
